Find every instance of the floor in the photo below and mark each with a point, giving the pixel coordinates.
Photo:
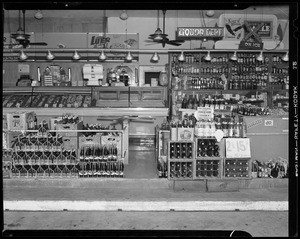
(142, 164)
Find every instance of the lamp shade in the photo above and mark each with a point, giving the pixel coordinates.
(102, 56)
(207, 57)
(260, 57)
(129, 57)
(285, 57)
(181, 57)
(76, 56)
(155, 57)
(50, 56)
(234, 57)
(23, 56)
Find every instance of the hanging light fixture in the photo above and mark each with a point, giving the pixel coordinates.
(76, 56)
(181, 57)
(155, 57)
(50, 56)
(207, 57)
(23, 56)
(260, 57)
(234, 57)
(285, 57)
(129, 57)
(102, 56)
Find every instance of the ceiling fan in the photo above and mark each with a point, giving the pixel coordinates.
(160, 36)
(21, 37)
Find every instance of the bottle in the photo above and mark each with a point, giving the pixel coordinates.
(230, 129)
(184, 102)
(183, 150)
(178, 153)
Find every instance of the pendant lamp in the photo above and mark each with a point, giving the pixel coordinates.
(181, 57)
(129, 57)
(207, 57)
(23, 56)
(155, 57)
(285, 57)
(50, 56)
(234, 57)
(102, 56)
(76, 56)
(260, 57)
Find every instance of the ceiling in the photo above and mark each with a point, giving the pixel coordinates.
(281, 11)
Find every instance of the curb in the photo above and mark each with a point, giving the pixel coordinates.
(33, 205)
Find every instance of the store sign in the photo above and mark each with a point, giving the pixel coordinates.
(199, 32)
(252, 40)
(254, 123)
(204, 113)
(269, 123)
(238, 148)
(265, 31)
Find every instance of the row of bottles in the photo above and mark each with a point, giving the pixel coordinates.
(242, 69)
(98, 153)
(68, 119)
(250, 59)
(232, 127)
(45, 170)
(207, 168)
(205, 128)
(193, 101)
(37, 142)
(204, 83)
(250, 110)
(191, 69)
(95, 127)
(239, 82)
(280, 70)
(278, 59)
(101, 169)
(181, 170)
(181, 150)
(207, 148)
(162, 169)
(236, 168)
(44, 156)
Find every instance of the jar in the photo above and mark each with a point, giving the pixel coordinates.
(163, 78)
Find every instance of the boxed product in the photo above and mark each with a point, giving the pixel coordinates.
(185, 134)
(74, 127)
(107, 140)
(20, 120)
(90, 140)
(70, 142)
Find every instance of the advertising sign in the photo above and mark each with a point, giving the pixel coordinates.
(199, 32)
(238, 148)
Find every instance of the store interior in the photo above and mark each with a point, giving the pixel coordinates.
(116, 71)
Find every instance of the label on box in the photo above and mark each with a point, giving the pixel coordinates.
(238, 148)
(185, 134)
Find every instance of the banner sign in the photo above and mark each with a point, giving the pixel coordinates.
(199, 32)
(113, 41)
(238, 148)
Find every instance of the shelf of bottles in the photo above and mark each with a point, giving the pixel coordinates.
(237, 168)
(249, 74)
(279, 73)
(180, 160)
(37, 154)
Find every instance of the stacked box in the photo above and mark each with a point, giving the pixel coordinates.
(237, 168)
(20, 120)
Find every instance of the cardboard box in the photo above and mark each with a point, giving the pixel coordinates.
(107, 140)
(185, 134)
(74, 127)
(70, 142)
(20, 120)
(90, 140)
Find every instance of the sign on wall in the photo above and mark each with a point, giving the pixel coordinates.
(113, 41)
(199, 32)
(265, 31)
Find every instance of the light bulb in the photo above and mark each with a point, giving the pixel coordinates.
(260, 57)
(50, 56)
(129, 57)
(23, 56)
(234, 57)
(124, 15)
(181, 57)
(285, 57)
(207, 57)
(102, 56)
(155, 57)
(76, 56)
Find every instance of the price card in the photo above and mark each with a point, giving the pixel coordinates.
(204, 113)
(238, 148)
